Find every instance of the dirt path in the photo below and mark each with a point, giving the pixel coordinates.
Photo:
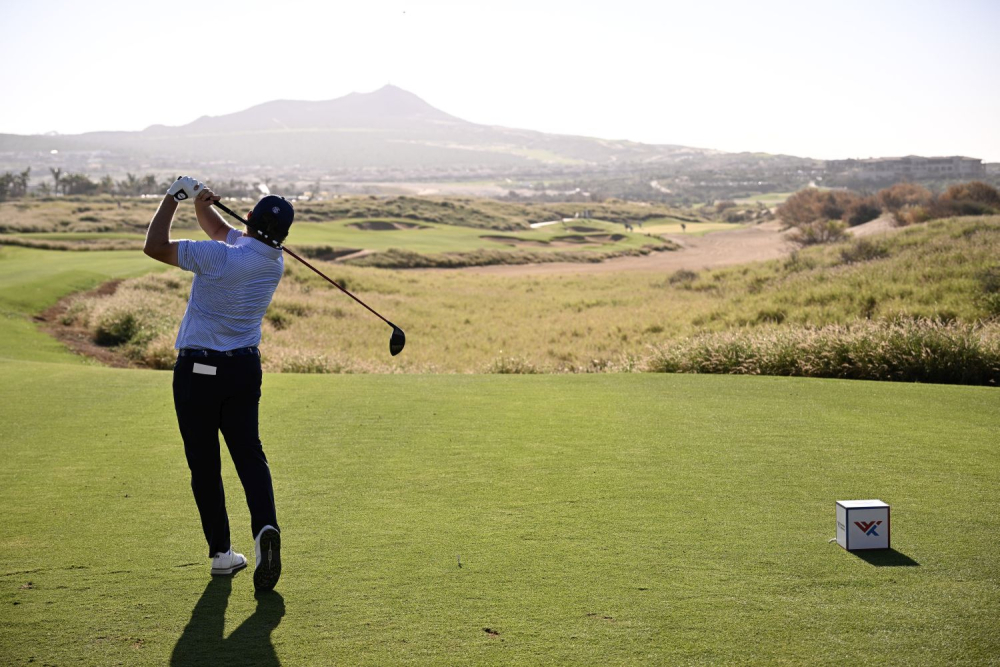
(749, 244)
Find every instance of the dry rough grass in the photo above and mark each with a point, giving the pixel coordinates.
(942, 274)
(77, 245)
(899, 351)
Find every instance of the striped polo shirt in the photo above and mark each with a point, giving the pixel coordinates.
(233, 285)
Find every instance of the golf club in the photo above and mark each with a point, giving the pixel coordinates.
(396, 340)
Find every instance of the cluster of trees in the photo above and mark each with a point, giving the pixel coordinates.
(16, 185)
(823, 215)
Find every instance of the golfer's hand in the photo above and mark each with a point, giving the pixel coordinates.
(205, 197)
(185, 187)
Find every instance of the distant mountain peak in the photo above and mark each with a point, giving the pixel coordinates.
(387, 107)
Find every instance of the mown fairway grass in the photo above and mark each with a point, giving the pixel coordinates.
(31, 280)
(614, 519)
(433, 238)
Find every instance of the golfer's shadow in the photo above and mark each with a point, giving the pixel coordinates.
(202, 642)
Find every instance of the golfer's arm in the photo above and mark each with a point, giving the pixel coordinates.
(158, 243)
(211, 222)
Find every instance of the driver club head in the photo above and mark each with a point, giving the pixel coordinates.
(396, 341)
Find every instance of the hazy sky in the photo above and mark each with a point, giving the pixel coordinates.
(826, 80)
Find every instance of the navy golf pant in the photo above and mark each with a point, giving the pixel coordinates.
(225, 401)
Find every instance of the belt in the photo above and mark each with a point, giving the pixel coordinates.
(238, 352)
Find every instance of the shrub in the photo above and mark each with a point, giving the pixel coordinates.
(989, 282)
(900, 195)
(810, 205)
(512, 366)
(820, 231)
(770, 316)
(798, 262)
(863, 250)
(683, 277)
(303, 362)
(862, 211)
(913, 215)
(120, 324)
(278, 318)
(973, 191)
(160, 353)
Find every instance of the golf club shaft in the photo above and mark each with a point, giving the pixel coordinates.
(321, 274)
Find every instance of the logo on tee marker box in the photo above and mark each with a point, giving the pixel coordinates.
(868, 527)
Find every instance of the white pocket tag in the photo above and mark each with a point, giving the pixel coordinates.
(202, 369)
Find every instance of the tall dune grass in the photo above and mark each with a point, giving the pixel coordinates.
(900, 351)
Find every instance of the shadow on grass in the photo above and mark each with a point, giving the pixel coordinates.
(886, 558)
(202, 642)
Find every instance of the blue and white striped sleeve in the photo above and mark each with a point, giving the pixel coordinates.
(201, 257)
(232, 236)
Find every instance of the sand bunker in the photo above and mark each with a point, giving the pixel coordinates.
(582, 229)
(384, 225)
(557, 242)
(515, 241)
(748, 244)
(590, 238)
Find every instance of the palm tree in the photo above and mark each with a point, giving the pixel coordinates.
(130, 186)
(56, 176)
(21, 183)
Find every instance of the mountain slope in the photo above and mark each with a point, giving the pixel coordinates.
(387, 107)
(389, 128)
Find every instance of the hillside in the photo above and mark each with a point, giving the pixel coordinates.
(389, 128)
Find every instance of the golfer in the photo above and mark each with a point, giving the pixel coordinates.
(217, 375)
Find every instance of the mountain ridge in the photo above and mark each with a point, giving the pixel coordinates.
(389, 131)
(389, 106)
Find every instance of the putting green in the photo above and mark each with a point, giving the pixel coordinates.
(611, 519)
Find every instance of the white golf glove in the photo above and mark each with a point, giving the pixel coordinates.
(185, 187)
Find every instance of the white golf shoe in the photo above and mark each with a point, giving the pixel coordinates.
(267, 567)
(228, 563)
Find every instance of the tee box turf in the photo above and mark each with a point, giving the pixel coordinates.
(862, 524)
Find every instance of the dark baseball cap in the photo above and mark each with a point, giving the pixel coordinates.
(272, 217)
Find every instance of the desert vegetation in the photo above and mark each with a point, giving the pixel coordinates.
(823, 216)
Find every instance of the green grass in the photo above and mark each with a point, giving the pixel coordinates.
(85, 236)
(32, 280)
(599, 520)
(433, 238)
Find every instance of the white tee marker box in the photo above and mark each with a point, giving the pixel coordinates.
(862, 524)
